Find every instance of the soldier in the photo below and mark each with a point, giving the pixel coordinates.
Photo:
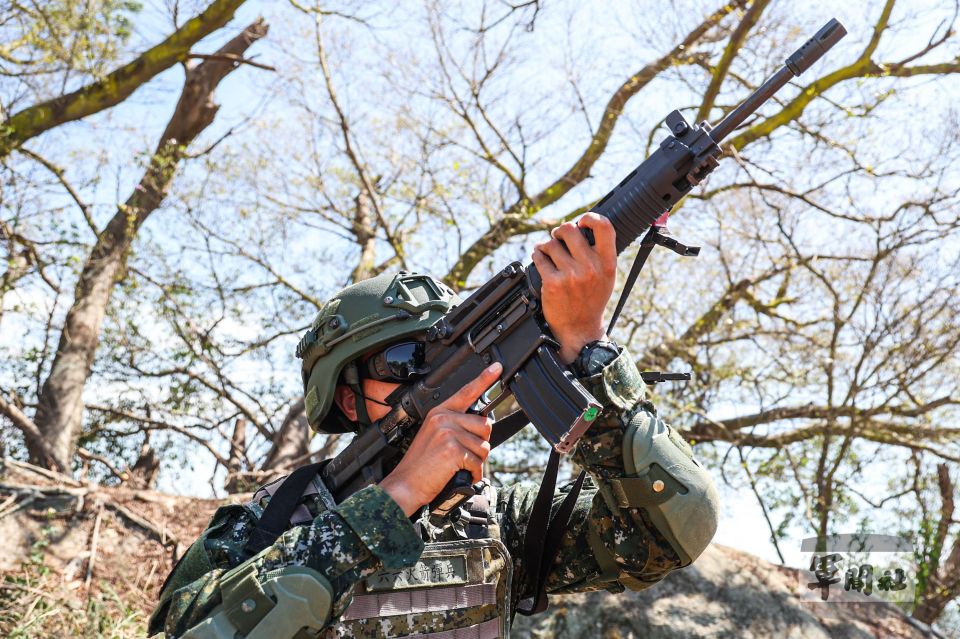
(377, 564)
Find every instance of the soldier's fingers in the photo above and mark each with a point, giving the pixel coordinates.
(604, 235)
(557, 252)
(477, 425)
(472, 463)
(479, 446)
(544, 264)
(471, 391)
(576, 243)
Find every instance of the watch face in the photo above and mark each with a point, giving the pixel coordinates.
(595, 357)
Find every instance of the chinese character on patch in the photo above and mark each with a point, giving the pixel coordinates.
(861, 580)
(825, 569)
(887, 582)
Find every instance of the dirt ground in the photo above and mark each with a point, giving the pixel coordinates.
(86, 560)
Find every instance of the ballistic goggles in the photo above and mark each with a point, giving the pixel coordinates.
(396, 363)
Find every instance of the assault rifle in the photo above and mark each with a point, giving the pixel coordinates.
(502, 322)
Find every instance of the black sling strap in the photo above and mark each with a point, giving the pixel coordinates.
(276, 516)
(654, 237)
(504, 429)
(646, 246)
(538, 555)
(543, 533)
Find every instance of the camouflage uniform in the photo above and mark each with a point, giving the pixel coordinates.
(606, 546)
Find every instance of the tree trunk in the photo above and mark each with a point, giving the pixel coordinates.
(366, 239)
(942, 584)
(238, 449)
(291, 443)
(146, 470)
(60, 405)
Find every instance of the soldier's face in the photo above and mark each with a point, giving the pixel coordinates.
(402, 358)
(377, 390)
(375, 393)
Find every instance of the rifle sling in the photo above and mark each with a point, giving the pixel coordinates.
(276, 516)
(538, 558)
(504, 429)
(646, 246)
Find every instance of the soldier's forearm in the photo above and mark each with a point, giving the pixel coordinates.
(644, 470)
(364, 533)
(621, 391)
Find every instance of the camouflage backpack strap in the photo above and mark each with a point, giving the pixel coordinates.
(279, 511)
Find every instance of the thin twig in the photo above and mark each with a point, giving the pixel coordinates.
(163, 537)
(763, 507)
(58, 171)
(226, 57)
(86, 454)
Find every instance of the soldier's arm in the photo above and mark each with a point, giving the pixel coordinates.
(624, 532)
(365, 533)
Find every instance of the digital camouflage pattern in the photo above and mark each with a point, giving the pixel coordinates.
(605, 546)
(485, 565)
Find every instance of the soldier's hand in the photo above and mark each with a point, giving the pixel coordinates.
(449, 440)
(578, 280)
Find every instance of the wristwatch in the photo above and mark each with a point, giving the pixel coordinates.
(594, 357)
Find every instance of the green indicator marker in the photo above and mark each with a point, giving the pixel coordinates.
(590, 414)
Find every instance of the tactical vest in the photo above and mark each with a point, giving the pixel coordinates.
(458, 589)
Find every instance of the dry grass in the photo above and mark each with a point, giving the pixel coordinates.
(87, 561)
(36, 602)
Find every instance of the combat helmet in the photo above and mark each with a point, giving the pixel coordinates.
(358, 319)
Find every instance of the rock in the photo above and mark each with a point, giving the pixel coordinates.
(725, 594)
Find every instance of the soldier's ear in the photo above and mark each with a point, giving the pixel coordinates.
(346, 401)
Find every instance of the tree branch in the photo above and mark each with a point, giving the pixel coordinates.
(719, 73)
(526, 207)
(30, 432)
(236, 59)
(863, 67)
(349, 146)
(115, 87)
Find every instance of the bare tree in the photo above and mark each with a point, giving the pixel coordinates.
(60, 407)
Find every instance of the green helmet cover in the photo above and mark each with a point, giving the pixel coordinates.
(357, 320)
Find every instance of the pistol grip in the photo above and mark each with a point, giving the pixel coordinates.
(458, 490)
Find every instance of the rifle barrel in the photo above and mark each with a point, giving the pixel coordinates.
(797, 63)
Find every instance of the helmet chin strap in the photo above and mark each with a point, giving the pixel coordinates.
(352, 379)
